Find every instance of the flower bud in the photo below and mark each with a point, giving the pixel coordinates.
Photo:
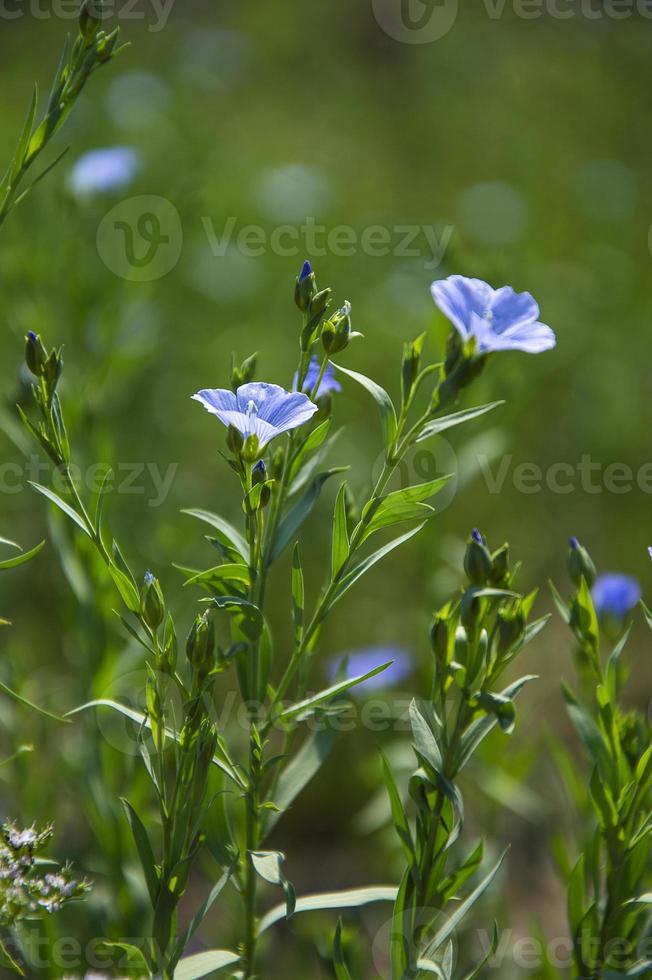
(305, 287)
(243, 374)
(152, 604)
(511, 627)
(470, 611)
(579, 564)
(251, 448)
(411, 364)
(200, 645)
(500, 566)
(440, 638)
(90, 17)
(477, 560)
(320, 301)
(35, 354)
(106, 47)
(335, 331)
(168, 657)
(234, 439)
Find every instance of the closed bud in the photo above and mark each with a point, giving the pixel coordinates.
(336, 330)
(305, 287)
(251, 448)
(106, 47)
(470, 611)
(320, 301)
(580, 565)
(152, 604)
(477, 560)
(243, 374)
(168, 655)
(234, 439)
(511, 627)
(500, 566)
(90, 17)
(411, 365)
(440, 638)
(36, 355)
(259, 473)
(201, 644)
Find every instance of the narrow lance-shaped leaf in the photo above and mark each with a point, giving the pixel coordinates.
(329, 692)
(340, 542)
(382, 399)
(457, 418)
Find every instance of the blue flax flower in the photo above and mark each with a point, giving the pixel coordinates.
(615, 595)
(499, 319)
(257, 408)
(364, 660)
(104, 170)
(328, 382)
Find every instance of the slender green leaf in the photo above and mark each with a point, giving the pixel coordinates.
(448, 421)
(461, 910)
(203, 964)
(300, 511)
(144, 848)
(329, 692)
(349, 899)
(339, 963)
(62, 505)
(382, 399)
(234, 537)
(359, 570)
(340, 542)
(268, 865)
(20, 559)
(300, 770)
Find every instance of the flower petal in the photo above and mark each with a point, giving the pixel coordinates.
(510, 309)
(459, 298)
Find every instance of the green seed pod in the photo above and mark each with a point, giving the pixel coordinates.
(477, 560)
(152, 603)
(168, 658)
(320, 301)
(250, 451)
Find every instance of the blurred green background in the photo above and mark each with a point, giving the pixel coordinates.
(522, 146)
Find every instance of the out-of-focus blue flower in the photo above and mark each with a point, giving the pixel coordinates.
(257, 408)
(328, 382)
(362, 661)
(499, 319)
(615, 595)
(101, 171)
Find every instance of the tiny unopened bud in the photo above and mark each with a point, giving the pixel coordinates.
(440, 635)
(320, 301)
(90, 18)
(500, 566)
(336, 330)
(106, 47)
(200, 645)
(511, 627)
(579, 564)
(234, 439)
(251, 448)
(36, 355)
(477, 560)
(305, 287)
(152, 604)
(411, 364)
(168, 656)
(259, 472)
(244, 373)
